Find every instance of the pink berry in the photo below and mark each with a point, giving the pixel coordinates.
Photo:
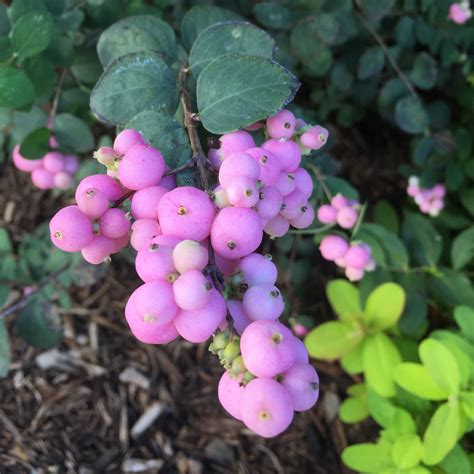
(439, 191)
(71, 164)
(339, 201)
(270, 202)
(267, 348)
(242, 192)
(24, 164)
(126, 139)
(141, 166)
(155, 262)
(286, 183)
(233, 142)
(98, 250)
(146, 328)
(62, 180)
(114, 223)
(120, 242)
(303, 182)
(258, 270)
(277, 227)
(102, 182)
(186, 212)
(327, 214)
(302, 383)
(281, 125)
(70, 229)
(192, 290)
(314, 138)
(145, 202)
(238, 164)
(294, 205)
(166, 240)
(333, 247)
(357, 256)
(190, 255)
(236, 232)
(268, 163)
(287, 153)
(266, 407)
(302, 356)
(347, 217)
(53, 161)
(263, 302)
(93, 203)
(305, 219)
(198, 325)
(239, 317)
(225, 265)
(230, 393)
(143, 230)
(42, 179)
(354, 274)
(168, 182)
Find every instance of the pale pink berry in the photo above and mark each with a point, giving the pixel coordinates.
(277, 227)
(327, 214)
(439, 191)
(305, 219)
(93, 203)
(258, 269)
(190, 255)
(168, 182)
(155, 262)
(281, 125)
(42, 178)
(459, 13)
(154, 301)
(53, 142)
(62, 180)
(24, 164)
(302, 383)
(220, 198)
(357, 256)
(287, 153)
(268, 163)
(436, 206)
(113, 173)
(301, 352)
(192, 290)
(230, 393)
(254, 126)
(53, 161)
(142, 231)
(226, 265)
(187, 213)
(102, 182)
(233, 142)
(198, 325)
(105, 155)
(98, 250)
(270, 202)
(144, 203)
(114, 223)
(294, 205)
(236, 232)
(413, 190)
(146, 328)
(70, 229)
(303, 182)
(239, 317)
(120, 243)
(266, 407)
(166, 240)
(242, 192)
(339, 201)
(314, 138)
(347, 217)
(126, 139)
(263, 302)
(354, 274)
(286, 183)
(267, 348)
(238, 164)
(141, 166)
(333, 247)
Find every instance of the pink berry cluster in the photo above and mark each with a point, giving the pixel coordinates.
(429, 200)
(460, 12)
(54, 170)
(341, 211)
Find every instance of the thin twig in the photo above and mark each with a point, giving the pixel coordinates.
(189, 164)
(321, 181)
(57, 95)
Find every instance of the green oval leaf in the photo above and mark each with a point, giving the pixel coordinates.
(72, 134)
(4, 350)
(424, 71)
(344, 299)
(229, 37)
(368, 457)
(16, 90)
(464, 317)
(36, 144)
(411, 116)
(133, 83)
(407, 451)
(234, 91)
(462, 249)
(376, 9)
(31, 34)
(353, 410)
(371, 62)
(136, 34)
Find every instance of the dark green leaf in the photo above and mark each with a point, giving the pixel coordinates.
(69, 21)
(451, 288)
(134, 83)
(5, 48)
(466, 197)
(16, 89)
(424, 71)
(22, 7)
(405, 32)
(61, 50)
(327, 27)
(36, 144)
(386, 215)
(41, 72)
(31, 34)
(462, 249)
(273, 15)
(376, 9)
(4, 21)
(4, 350)
(456, 462)
(229, 37)
(371, 62)
(86, 67)
(72, 134)
(234, 91)
(136, 34)
(411, 116)
(341, 77)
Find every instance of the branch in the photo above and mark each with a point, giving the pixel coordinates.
(57, 94)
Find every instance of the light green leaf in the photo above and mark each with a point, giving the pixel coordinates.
(441, 434)
(384, 306)
(31, 34)
(416, 379)
(462, 249)
(4, 350)
(411, 116)
(72, 134)
(380, 357)
(234, 91)
(441, 365)
(464, 317)
(136, 34)
(199, 18)
(467, 403)
(332, 340)
(353, 362)
(16, 90)
(344, 299)
(407, 451)
(353, 410)
(133, 83)
(229, 37)
(368, 457)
